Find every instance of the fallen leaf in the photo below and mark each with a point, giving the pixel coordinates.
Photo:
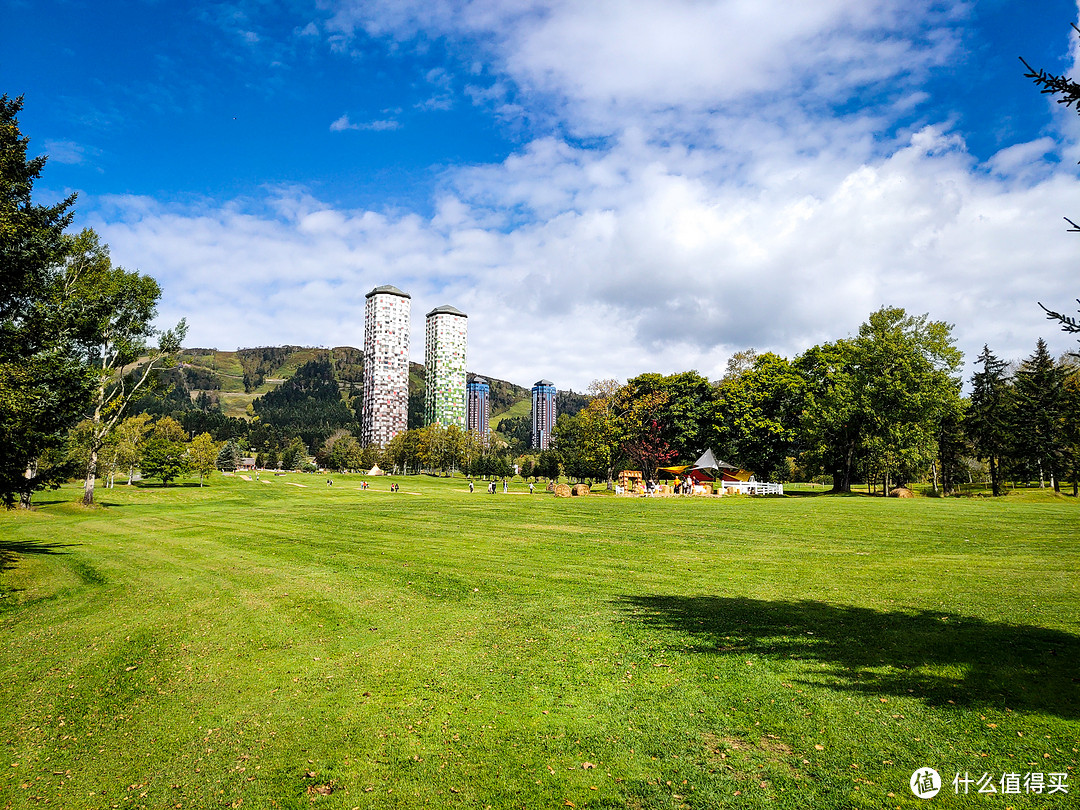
(586, 765)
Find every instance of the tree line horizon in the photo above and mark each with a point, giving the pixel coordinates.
(84, 392)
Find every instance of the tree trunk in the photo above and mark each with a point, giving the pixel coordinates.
(995, 482)
(91, 476)
(842, 477)
(27, 494)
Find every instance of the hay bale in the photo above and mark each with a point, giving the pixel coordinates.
(580, 489)
(901, 492)
(562, 491)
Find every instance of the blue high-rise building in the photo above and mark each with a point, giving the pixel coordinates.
(543, 413)
(478, 410)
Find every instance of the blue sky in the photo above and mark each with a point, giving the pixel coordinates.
(606, 188)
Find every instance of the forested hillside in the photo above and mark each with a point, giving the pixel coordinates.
(267, 396)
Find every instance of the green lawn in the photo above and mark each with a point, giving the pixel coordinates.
(261, 644)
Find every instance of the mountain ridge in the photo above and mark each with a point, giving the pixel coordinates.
(237, 378)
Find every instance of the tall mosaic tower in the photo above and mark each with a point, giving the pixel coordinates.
(387, 314)
(543, 413)
(445, 345)
(478, 410)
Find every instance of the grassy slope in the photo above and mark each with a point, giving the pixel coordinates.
(257, 641)
(522, 407)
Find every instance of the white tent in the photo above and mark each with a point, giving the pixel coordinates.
(375, 471)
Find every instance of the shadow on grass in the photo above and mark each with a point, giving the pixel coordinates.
(825, 493)
(170, 485)
(9, 549)
(932, 656)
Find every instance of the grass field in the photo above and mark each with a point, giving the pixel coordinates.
(263, 644)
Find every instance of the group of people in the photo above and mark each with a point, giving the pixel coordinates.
(394, 486)
(680, 487)
(505, 487)
(684, 487)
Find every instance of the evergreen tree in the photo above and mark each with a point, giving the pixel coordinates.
(1068, 91)
(987, 421)
(229, 457)
(44, 385)
(308, 405)
(1072, 425)
(1039, 413)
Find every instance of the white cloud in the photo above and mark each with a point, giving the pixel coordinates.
(382, 125)
(721, 204)
(66, 152)
(607, 62)
(636, 263)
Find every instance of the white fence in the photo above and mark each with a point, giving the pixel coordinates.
(750, 488)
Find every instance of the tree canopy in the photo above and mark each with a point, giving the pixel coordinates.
(44, 384)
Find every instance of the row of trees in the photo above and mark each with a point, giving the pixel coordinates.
(884, 406)
(1025, 424)
(71, 328)
(78, 354)
(158, 449)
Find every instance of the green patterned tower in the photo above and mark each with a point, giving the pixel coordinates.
(445, 346)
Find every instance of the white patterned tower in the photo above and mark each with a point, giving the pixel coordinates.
(445, 346)
(387, 321)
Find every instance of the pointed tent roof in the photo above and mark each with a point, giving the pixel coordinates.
(708, 461)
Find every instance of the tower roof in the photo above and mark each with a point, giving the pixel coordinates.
(548, 383)
(387, 289)
(478, 381)
(446, 309)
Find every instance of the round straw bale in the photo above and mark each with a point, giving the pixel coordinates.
(901, 492)
(580, 489)
(562, 491)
